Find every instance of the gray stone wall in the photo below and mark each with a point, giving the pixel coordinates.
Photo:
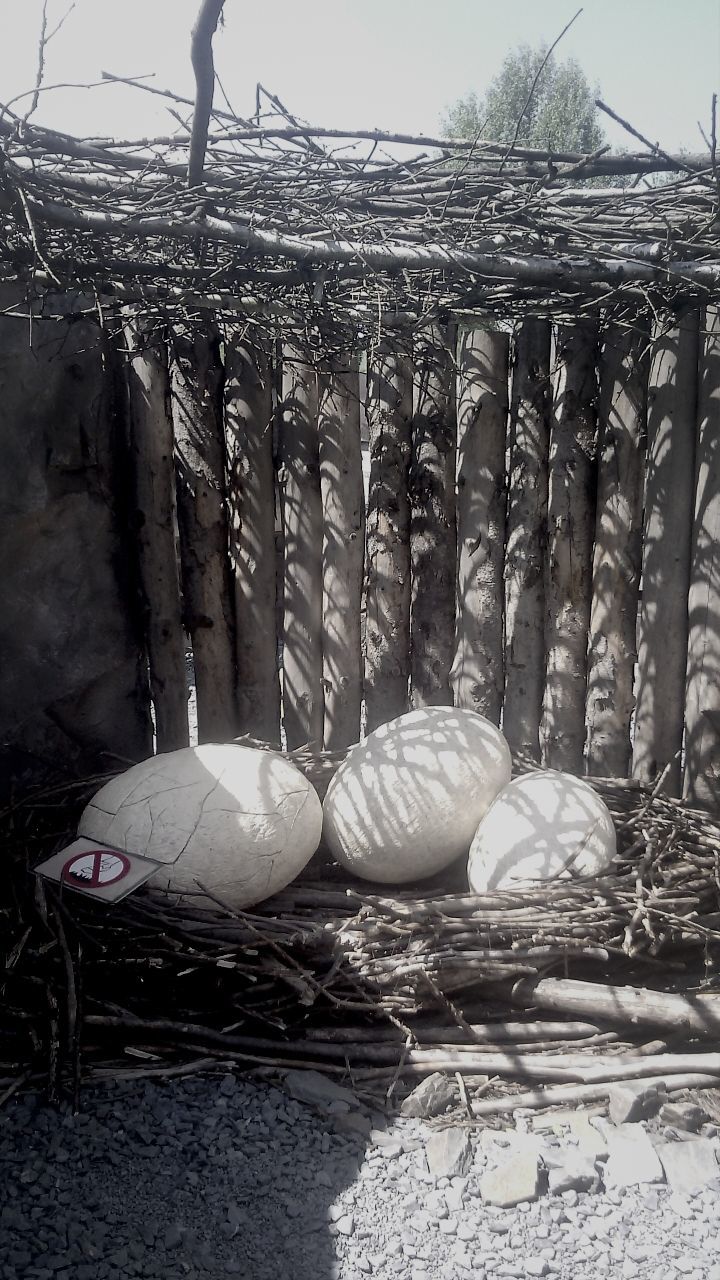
(73, 691)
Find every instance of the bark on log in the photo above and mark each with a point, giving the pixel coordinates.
(571, 1094)
(618, 542)
(343, 511)
(387, 600)
(251, 502)
(197, 389)
(432, 522)
(302, 525)
(527, 539)
(669, 494)
(482, 408)
(694, 1016)
(571, 530)
(702, 715)
(152, 447)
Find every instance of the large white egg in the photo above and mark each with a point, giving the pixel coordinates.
(406, 802)
(241, 822)
(543, 825)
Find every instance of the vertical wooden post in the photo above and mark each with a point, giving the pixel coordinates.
(251, 503)
(196, 384)
(387, 601)
(432, 522)
(669, 494)
(618, 538)
(343, 509)
(571, 529)
(302, 521)
(482, 410)
(702, 715)
(527, 539)
(152, 447)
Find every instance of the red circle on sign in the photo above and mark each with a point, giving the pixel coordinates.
(96, 868)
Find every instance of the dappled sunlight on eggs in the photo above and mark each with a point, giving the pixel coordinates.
(240, 822)
(407, 801)
(541, 826)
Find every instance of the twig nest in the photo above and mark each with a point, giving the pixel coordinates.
(544, 825)
(242, 823)
(406, 802)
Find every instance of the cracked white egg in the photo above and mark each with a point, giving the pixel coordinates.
(235, 821)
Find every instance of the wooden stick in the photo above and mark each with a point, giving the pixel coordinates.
(702, 714)
(253, 558)
(477, 674)
(669, 494)
(387, 601)
(203, 66)
(617, 558)
(152, 443)
(695, 1016)
(197, 392)
(432, 523)
(527, 539)
(571, 528)
(343, 545)
(570, 1095)
(302, 526)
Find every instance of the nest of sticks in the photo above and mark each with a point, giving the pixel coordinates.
(384, 986)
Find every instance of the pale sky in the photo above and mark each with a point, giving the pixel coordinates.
(391, 64)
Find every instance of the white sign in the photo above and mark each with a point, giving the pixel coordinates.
(97, 870)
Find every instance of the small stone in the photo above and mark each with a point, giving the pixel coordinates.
(513, 1182)
(688, 1165)
(632, 1159)
(535, 1266)
(631, 1101)
(317, 1090)
(173, 1236)
(449, 1153)
(431, 1097)
(576, 1173)
(345, 1225)
(686, 1116)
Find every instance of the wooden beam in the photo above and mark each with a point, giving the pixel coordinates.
(302, 527)
(482, 418)
(387, 601)
(527, 539)
(571, 530)
(197, 390)
(618, 543)
(343, 541)
(667, 539)
(432, 522)
(702, 715)
(152, 450)
(251, 503)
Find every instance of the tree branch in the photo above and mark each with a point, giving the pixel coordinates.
(202, 61)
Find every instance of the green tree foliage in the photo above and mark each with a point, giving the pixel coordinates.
(561, 115)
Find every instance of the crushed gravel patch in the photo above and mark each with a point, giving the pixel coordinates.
(216, 1177)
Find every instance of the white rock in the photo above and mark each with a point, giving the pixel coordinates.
(407, 802)
(242, 822)
(431, 1097)
(541, 826)
(632, 1159)
(512, 1183)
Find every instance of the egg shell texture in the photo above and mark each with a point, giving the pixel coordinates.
(542, 826)
(242, 822)
(406, 803)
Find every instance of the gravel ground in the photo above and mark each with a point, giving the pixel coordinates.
(215, 1177)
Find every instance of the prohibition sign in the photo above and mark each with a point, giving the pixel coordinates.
(96, 868)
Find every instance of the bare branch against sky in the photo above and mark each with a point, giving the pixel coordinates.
(656, 62)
